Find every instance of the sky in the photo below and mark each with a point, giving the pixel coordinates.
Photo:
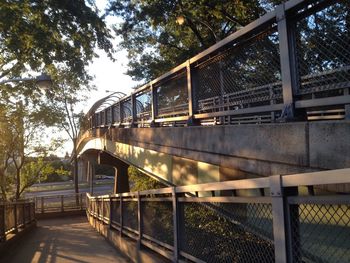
(109, 75)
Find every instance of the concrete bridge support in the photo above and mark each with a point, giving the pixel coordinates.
(121, 181)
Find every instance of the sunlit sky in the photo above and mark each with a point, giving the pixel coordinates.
(109, 75)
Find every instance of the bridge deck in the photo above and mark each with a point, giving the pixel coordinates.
(64, 240)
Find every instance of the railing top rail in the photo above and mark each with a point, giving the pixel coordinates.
(317, 178)
(305, 179)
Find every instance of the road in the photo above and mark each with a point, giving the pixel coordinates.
(100, 189)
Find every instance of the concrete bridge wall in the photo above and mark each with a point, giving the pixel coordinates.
(188, 155)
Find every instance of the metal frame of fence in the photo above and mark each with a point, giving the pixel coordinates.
(291, 63)
(59, 203)
(15, 215)
(254, 220)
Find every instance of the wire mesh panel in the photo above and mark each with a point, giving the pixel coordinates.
(126, 110)
(109, 115)
(172, 96)
(144, 106)
(103, 117)
(224, 232)
(321, 233)
(116, 113)
(323, 51)
(115, 217)
(158, 221)
(130, 214)
(244, 75)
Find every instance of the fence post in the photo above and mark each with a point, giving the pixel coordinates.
(287, 58)
(2, 222)
(62, 204)
(139, 217)
(191, 97)
(133, 110)
(102, 211)
(154, 109)
(282, 229)
(110, 211)
(121, 215)
(175, 224)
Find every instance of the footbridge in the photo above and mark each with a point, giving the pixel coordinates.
(251, 138)
(272, 98)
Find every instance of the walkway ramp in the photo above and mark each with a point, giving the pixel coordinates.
(64, 240)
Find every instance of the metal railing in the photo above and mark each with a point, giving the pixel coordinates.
(59, 203)
(15, 215)
(291, 63)
(288, 218)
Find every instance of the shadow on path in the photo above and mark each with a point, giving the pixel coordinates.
(64, 240)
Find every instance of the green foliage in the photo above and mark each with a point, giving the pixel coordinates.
(156, 40)
(51, 34)
(139, 181)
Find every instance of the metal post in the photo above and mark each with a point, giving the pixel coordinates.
(121, 215)
(154, 105)
(287, 59)
(175, 225)
(110, 211)
(62, 204)
(282, 229)
(133, 110)
(139, 217)
(102, 211)
(112, 115)
(121, 115)
(191, 99)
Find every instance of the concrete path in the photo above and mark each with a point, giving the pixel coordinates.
(64, 240)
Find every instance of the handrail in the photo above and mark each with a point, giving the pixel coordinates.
(15, 215)
(289, 86)
(268, 215)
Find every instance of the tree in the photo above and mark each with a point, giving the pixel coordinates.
(63, 105)
(50, 34)
(22, 128)
(158, 34)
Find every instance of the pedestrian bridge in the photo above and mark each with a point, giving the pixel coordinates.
(251, 138)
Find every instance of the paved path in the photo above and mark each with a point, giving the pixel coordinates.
(64, 240)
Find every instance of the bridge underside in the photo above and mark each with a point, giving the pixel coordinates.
(191, 155)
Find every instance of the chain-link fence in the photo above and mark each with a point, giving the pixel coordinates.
(291, 64)
(321, 232)
(247, 74)
(172, 96)
(157, 221)
(323, 53)
(143, 107)
(215, 232)
(266, 222)
(126, 114)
